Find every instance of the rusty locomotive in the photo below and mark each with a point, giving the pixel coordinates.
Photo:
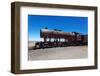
(58, 38)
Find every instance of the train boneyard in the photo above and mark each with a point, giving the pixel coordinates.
(57, 38)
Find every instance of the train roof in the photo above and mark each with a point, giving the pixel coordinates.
(57, 32)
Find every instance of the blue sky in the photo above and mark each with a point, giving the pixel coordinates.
(64, 23)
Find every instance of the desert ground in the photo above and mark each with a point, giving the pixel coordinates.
(70, 52)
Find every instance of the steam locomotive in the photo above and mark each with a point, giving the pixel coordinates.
(57, 38)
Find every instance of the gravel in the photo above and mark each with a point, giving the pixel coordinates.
(71, 52)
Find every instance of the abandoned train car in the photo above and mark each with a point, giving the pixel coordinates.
(58, 38)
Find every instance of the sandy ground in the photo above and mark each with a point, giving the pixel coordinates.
(71, 52)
